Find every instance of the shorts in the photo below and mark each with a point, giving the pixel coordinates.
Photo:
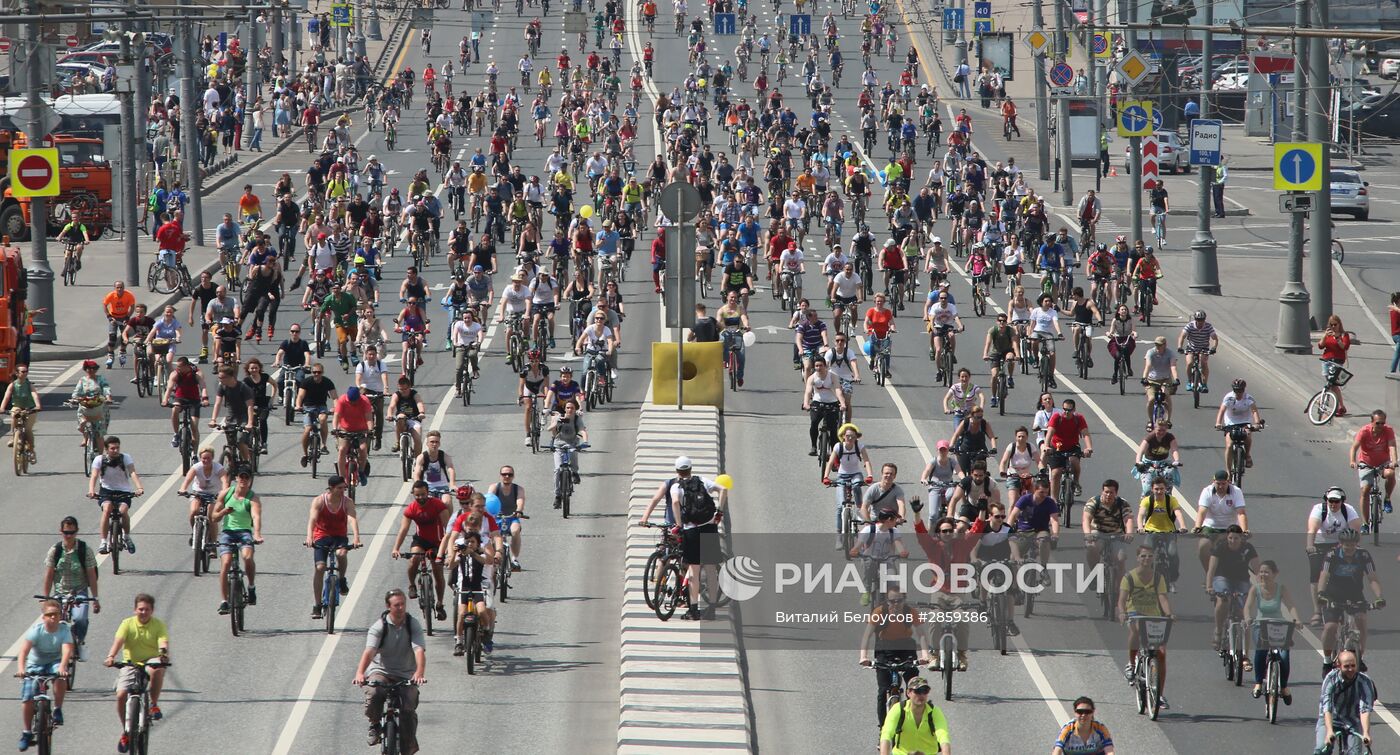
(409, 334)
(1045, 338)
(1222, 584)
(119, 497)
(1316, 560)
(896, 276)
(476, 596)
(700, 544)
(128, 679)
(428, 546)
(1332, 612)
(321, 548)
(413, 425)
(30, 687)
(543, 309)
(342, 334)
(313, 413)
(231, 540)
(1010, 269)
(845, 301)
(1367, 476)
(1060, 459)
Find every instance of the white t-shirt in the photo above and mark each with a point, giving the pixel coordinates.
(542, 290)
(791, 261)
(208, 484)
(847, 286)
(840, 364)
(793, 209)
(323, 255)
(1331, 522)
(374, 376)
(942, 314)
(834, 263)
(464, 334)
(848, 459)
(115, 476)
(1237, 410)
(824, 389)
(1220, 511)
(515, 299)
(1043, 320)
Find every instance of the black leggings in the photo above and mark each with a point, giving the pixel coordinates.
(265, 305)
(824, 413)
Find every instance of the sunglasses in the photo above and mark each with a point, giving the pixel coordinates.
(998, 516)
(69, 533)
(921, 691)
(1084, 711)
(946, 532)
(52, 614)
(317, 372)
(507, 474)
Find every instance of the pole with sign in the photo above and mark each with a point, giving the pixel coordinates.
(680, 203)
(1205, 145)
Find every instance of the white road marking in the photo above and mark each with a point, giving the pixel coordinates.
(1346, 279)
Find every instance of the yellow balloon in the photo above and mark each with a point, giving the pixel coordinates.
(741, 133)
(701, 83)
(586, 211)
(725, 481)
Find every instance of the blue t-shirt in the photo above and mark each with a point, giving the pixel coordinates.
(48, 646)
(748, 233)
(1035, 517)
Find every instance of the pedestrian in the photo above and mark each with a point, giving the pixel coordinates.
(1217, 188)
(1395, 329)
(1082, 733)
(1103, 148)
(694, 506)
(960, 77)
(984, 90)
(259, 112)
(1334, 344)
(1348, 699)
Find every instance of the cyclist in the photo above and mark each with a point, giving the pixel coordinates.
(533, 377)
(812, 338)
(1143, 592)
(466, 337)
(822, 397)
(240, 511)
(429, 515)
(941, 318)
(916, 725)
(899, 642)
(45, 650)
(237, 398)
(314, 395)
(140, 638)
(1090, 210)
(117, 305)
(1001, 349)
(408, 410)
(1161, 517)
(1157, 198)
(1108, 525)
(562, 391)
(842, 361)
(512, 498)
(1345, 573)
(1066, 441)
(331, 525)
(1160, 445)
(394, 652)
(1083, 735)
(733, 318)
(1270, 599)
(849, 464)
(113, 483)
(1045, 330)
(342, 306)
(1221, 506)
(1374, 446)
(1229, 573)
(75, 232)
(878, 324)
(70, 569)
(1348, 699)
(1159, 374)
(1325, 522)
(472, 566)
(1197, 340)
(186, 387)
(1239, 410)
(567, 429)
(1146, 271)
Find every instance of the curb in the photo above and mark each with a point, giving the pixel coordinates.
(683, 686)
(220, 181)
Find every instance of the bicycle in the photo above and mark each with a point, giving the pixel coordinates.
(465, 381)
(1235, 463)
(391, 735)
(66, 604)
(1112, 569)
(236, 438)
(1153, 632)
(202, 536)
(22, 439)
(1159, 228)
(163, 278)
(733, 342)
(1122, 367)
(564, 475)
(1232, 645)
(1159, 411)
(1082, 348)
(946, 650)
(1043, 368)
(1145, 303)
(376, 431)
(116, 533)
(1000, 387)
(41, 723)
(654, 577)
(1001, 610)
(1375, 499)
(315, 445)
(93, 431)
(144, 370)
(237, 592)
(1195, 376)
(1322, 407)
(597, 387)
(330, 586)
(824, 438)
(945, 359)
(426, 588)
(137, 721)
(470, 636)
(70, 264)
(506, 569)
(405, 444)
(1345, 740)
(889, 688)
(881, 357)
(1274, 636)
(848, 518)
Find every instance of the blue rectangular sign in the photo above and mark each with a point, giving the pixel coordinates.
(953, 19)
(799, 23)
(982, 9)
(724, 24)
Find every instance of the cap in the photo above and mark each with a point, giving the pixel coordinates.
(321, 237)
(1221, 474)
(918, 683)
(89, 364)
(683, 463)
(937, 239)
(1335, 494)
(1160, 340)
(477, 268)
(353, 393)
(942, 444)
(886, 515)
(517, 276)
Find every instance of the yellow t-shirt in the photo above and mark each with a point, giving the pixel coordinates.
(1161, 515)
(476, 183)
(928, 735)
(141, 642)
(1143, 598)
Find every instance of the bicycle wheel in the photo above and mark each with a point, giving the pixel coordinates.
(949, 657)
(330, 597)
(21, 457)
(882, 369)
(1237, 651)
(1083, 353)
(197, 546)
(1271, 689)
(1139, 687)
(1322, 407)
(1154, 694)
(1338, 251)
(669, 591)
(979, 303)
(391, 735)
(651, 581)
(1000, 392)
(406, 455)
(1377, 513)
(425, 604)
(469, 642)
(240, 604)
(848, 531)
(1122, 369)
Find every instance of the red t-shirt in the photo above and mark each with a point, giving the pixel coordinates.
(880, 320)
(353, 416)
(1335, 349)
(777, 245)
(171, 236)
(427, 514)
(1065, 430)
(1375, 446)
(1394, 323)
(460, 521)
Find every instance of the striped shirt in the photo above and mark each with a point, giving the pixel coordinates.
(341, 243)
(1346, 699)
(1198, 336)
(1095, 742)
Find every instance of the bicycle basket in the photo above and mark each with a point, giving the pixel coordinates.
(1154, 630)
(1275, 635)
(1336, 374)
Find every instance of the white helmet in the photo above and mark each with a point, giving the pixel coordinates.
(682, 463)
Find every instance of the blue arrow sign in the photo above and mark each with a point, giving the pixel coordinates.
(1297, 166)
(953, 19)
(724, 24)
(1135, 118)
(1156, 119)
(799, 24)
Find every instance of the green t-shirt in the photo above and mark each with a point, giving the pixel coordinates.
(141, 642)
(342, 308)
(240, 512)
(22, 397)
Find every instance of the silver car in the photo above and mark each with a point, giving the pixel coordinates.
(1350, 194)
(1172, 154)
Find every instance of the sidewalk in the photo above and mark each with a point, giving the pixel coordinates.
(82, 326)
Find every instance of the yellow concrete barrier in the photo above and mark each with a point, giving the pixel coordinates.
(704, 374)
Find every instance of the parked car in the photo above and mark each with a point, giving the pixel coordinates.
(1172, 154)
(95, 57)
(1390, 68)
(1349, 194)
(68, 73)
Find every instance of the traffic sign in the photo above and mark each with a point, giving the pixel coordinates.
(982, 9)
(1134, 67)
(5, 45)
(48, 119)
(1150, 170)
(953, 19)
(680, 201)
(724, 24)
(72, 40)
(340, 14)
(1061, 74)
(1037, 40)
(800, 23)
(34, 172)
(1135, 118)
(1206, 142)
(981, 18)
(1102, 44)
(1297, 166)
(1156, 120)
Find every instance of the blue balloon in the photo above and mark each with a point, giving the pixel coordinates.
(493, 505)
(866, 347)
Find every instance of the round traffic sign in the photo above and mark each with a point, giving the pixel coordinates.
(1061, 74)
(680, 201)
(1100, 43)
(72, 40)
(1134, 118)
(1156, 119)
(34, 173)
(1297, 166)
(4, 44)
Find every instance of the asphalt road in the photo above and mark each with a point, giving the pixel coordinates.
(1016, 702)
(285, 686)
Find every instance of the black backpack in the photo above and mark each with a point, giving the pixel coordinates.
(697, 507)
(80, 550)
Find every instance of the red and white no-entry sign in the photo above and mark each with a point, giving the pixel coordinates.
(72, 40)
(34, 172)
(5, 45)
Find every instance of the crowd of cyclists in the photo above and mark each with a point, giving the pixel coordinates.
(781, 175)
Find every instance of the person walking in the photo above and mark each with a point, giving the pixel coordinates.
(1395, 330)
(1217, 188)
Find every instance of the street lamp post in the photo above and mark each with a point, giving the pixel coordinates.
(1293, 300)
(1203, 247)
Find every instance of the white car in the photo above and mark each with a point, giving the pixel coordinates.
(1390, 68)
(1350, 194)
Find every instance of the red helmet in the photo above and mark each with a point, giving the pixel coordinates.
(465, 493)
